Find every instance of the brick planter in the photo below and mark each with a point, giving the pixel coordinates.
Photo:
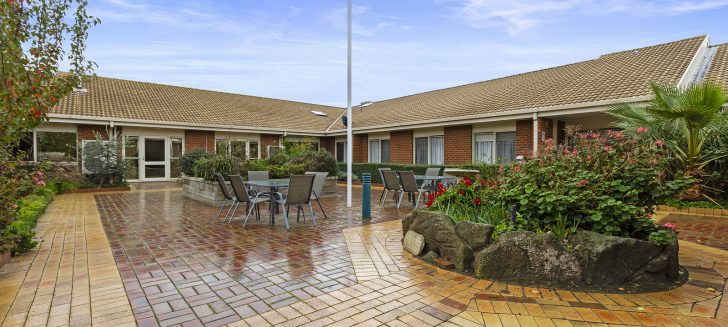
(695, 211)
(203, 190)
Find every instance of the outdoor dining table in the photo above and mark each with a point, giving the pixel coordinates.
(425, 178)
(274, 185)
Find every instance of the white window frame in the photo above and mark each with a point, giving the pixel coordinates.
(336, 150)
(429, 148)
(490, 138)
(228, 143)
(379, 144)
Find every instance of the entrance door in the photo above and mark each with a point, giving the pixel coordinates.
(154, 164)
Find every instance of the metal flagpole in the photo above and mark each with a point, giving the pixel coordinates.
(349, 121)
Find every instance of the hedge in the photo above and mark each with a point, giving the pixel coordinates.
(372, 168)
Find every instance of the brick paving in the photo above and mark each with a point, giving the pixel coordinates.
(179, 267)
(707, 230)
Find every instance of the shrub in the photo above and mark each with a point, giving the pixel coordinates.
(103, 161)
(187, 161)
(317, 161)
(206, 167)
(19, 233)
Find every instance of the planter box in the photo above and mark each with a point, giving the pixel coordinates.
(203, 190)
(330, 187)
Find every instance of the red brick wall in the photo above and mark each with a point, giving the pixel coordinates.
(87, 132)
(328, 143)
(361, 148)
(400, 147)
(200, 139)
(458, 144)
(266, 140)
(524, 137)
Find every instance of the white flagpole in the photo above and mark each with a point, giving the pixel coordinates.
(349, 120)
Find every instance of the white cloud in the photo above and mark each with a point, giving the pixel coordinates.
(518, 16)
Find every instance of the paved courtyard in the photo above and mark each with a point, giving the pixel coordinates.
(151, 257)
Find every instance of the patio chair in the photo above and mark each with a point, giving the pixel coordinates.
(225, 192)
(259, 175)
(243, 195)
(391, 183)
(299, 195)
(381, 177)
(409, 185)
(318, 187)
(431, 172)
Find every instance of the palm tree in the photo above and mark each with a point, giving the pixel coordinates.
(689, 120)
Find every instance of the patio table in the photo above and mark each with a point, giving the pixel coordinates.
(274, 185)
(425, 178)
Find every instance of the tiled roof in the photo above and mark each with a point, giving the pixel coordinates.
(123, 99)
(613, 76)
(718, 71)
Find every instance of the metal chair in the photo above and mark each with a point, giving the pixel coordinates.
(259, 175)
(409, 185)
(318, 187)
(381, 177)
(431, 172)
(226, 193)
(242, 195)
(299, 194)
(391, 183)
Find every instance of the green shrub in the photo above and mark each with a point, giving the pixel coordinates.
(679, 204)
(187, 161)
(20, 232)
(206, 167)
(321, 160)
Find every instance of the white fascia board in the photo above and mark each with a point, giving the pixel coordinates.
(91, 120)
(694, 66)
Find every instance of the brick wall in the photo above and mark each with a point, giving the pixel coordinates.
(328, 143)
(200, 139)
(524, 137)
(266, 140)
(400, 147)
(458, 144)
(88, 132)
(361, 148)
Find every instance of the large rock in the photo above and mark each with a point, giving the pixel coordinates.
(475, 234)
(528, 258)
(414, 243)
(609, 260)
(440, 237)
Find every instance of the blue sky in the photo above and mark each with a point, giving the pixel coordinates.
(296, 49)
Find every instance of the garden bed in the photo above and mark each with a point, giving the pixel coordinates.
(202, 190)
(585, 261)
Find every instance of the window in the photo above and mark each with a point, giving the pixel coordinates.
(175, 152)
(56, 146)
(341, 151)
(505, 144)
(131, 156)
(421, 150)
(495, 147)
(25, 147)
(484, 150)
(374, 152)
(437, 150)
(238, 148)
(93, 156)
(385, 151)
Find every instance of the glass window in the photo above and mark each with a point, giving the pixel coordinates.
(221, 146)
(374, 151)
(254, 152)
(131, 156)
(175, 152)
(237, 148)
(484, 149)
(154, 150)
(437, 150)
(25, 147)
(385, 151)
(421, 150)
(341, 151)
(56, 146)
(505, 150)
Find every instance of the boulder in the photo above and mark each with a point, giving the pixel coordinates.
(477, 235)
(610, 260)
(529, 258)
(440, 237)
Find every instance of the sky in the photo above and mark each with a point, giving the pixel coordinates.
(296, 49)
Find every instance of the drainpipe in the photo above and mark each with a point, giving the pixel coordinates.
(535, 133)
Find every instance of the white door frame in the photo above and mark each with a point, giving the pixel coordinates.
(143, 162)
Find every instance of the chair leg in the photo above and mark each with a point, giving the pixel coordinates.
(232, 215)
(310, 211)
(221, 207)
(250, 210)
(384, 197)
(381, 196)
(417, 203)
(399, 202)
(285, 217)
(229, 209)
(322, 208)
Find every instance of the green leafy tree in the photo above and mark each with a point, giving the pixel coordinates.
(36, 37)
(690, 122)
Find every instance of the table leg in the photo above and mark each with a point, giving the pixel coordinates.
(272, 206)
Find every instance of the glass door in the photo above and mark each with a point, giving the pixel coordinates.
(154, 163)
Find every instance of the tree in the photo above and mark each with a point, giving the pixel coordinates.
(690, 122)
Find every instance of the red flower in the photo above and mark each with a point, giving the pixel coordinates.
(440, 186)
(461, 192)
(582, 182)
(477, 201)
(468, 183)
(642, 130)
(659, 143)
